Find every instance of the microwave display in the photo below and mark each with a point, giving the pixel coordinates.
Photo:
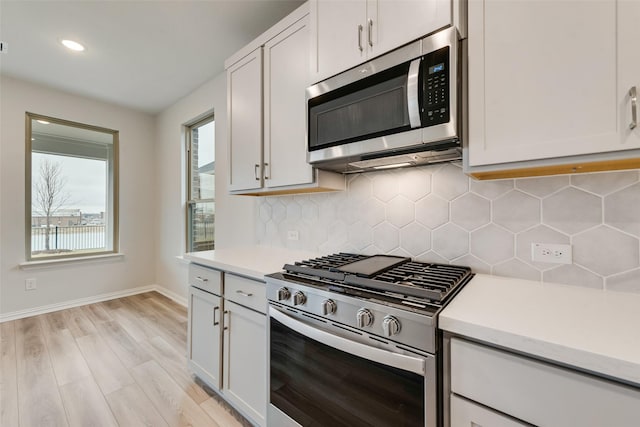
(435, 108)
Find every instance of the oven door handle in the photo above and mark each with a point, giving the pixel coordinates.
(400, 361)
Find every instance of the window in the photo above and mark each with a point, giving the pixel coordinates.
(71, 189)
(201, 182)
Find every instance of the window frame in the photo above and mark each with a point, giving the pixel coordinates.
(112, 190)
(188, 129)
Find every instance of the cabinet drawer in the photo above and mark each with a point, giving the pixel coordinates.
(538, 392)
(247, 292)
(465, 413)
(205, 278)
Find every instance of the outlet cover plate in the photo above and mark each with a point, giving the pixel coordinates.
(551, 253)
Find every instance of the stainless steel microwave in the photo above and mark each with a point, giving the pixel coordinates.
(401, 109)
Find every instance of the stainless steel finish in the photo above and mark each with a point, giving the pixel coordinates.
(370, 32)
(342, 158)
(396, 360)
(360, 38)
(328, 307)
(418, 330)
(216, 308)
(283, 294)
(390, 326)
(413, 89)
(202, 279)
(299, 298)
(243, 293)
(256, 167)
(275, 417)
(364, 318)
(634, 107)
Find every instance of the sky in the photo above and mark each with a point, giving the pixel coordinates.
(86, 181)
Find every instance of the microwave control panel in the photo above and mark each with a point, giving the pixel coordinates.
(435, 78)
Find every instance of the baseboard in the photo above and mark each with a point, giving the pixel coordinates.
(20, 314)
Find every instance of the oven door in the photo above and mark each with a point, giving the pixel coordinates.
(323, 374)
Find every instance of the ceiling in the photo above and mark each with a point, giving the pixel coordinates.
(144, 54)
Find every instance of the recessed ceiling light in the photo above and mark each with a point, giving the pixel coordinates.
(44, 122)
(70, 44)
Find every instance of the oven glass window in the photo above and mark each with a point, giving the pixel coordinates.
(317, 385)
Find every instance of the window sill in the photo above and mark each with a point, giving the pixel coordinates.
(71, 260)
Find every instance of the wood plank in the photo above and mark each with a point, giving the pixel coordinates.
(85, 404)
(67, 360)
(96, 313)
(39, 400)
(175, 406)
(8, 378)
(78, 323)
(108, 371)
(217, 411)
(132, 408)
(175, 364)
(122, 344)
(112, 304)
(52, 322)
(173, 333)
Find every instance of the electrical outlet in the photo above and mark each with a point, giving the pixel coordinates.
(552, 253)
(30, 284)
(293, 235)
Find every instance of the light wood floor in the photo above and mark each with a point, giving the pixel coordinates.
(116, 363)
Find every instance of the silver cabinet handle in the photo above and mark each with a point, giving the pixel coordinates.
(226, 320)
(370, 32)
(634, 107)
(215, 323)
(266, 175)
(255, 171)
(360, 38)
(202, 279)
(413, 100)
(244, 294)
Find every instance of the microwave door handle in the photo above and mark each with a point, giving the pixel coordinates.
(400, 361)
(413, 89)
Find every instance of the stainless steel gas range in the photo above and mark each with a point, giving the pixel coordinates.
(353, 340)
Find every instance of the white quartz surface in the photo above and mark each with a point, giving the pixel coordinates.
(593, 330)
(250, 261)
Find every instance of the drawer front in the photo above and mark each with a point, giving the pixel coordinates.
(538, 392)
(247, 292)
(207, 279)
(465, 413)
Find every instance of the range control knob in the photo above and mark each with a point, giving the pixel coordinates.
(390, 326)
(283, 294)
(364, 318)
(299, 298)
(328, 307)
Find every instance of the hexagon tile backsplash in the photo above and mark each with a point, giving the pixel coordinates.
(438, 214)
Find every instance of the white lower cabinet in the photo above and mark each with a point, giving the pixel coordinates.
(245, 361)
(227, 338)
(465, 413)
(204, 338)
(500, 387)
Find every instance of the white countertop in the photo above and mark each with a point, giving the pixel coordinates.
(593, 330)
(250, 261)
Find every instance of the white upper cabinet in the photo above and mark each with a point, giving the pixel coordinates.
(286, 76)
(345, 33)
(244, 95)
(551, 80)
(267, 113)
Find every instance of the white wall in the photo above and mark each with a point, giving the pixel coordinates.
(67, 282)
(234, 214)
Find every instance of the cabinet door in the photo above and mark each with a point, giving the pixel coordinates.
(204, 340)
(392, 23)
(629, 70)
(245, 361)
(286, 76)
(542, 79)
(338, 36)
(244, 87)
(465, 413)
